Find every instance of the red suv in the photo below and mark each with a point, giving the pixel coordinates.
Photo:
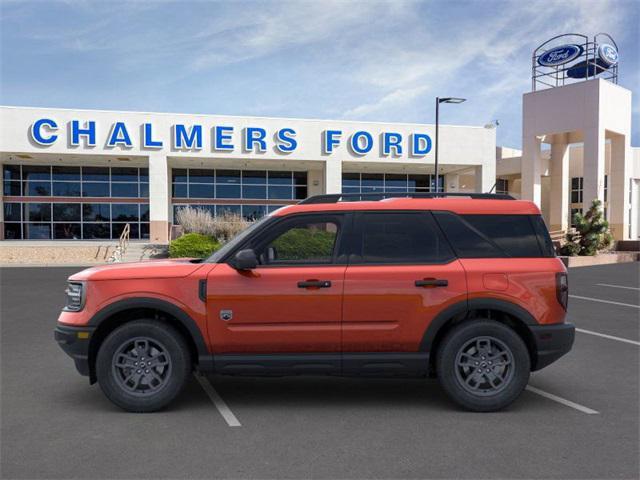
(465, 288)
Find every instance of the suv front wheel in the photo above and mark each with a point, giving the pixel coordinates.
(483, 365)
(143, 365)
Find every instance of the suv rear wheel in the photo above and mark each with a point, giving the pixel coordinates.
(143, 365)
(483, 365)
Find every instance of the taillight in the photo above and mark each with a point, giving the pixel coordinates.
(562, 289)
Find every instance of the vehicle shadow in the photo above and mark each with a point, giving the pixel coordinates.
(316, 392)
(82, 398)
(300, 392)
(319, 392)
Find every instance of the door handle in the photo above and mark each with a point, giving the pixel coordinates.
(432, 282)
(314, 284)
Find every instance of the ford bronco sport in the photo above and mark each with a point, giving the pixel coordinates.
(463, 287)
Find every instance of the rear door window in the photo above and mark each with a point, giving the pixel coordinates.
(399, 238)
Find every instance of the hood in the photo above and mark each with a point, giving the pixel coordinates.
(175, 268)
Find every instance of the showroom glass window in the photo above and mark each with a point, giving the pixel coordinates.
(78, 202)
(240, 192)
(390, 183)
(577, 184)
(502, 186)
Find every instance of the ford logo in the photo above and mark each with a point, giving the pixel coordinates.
(608, 54)
(560, 55)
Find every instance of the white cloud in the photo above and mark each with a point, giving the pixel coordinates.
(285, 26)
(361, 60)
(399, 97)
(488, 55)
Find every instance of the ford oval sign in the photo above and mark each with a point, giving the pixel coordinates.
(560, 55)
(608, 54)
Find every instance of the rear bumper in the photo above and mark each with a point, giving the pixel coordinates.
(551, 342)
(75, 343)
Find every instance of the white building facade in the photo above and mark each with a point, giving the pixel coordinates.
(593, 113)
(576, 149)
(85, 174)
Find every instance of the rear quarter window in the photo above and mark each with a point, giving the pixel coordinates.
(544, 239)
(487, 236)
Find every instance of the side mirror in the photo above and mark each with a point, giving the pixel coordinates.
(244, 260)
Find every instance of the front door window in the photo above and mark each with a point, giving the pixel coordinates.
(302, 242)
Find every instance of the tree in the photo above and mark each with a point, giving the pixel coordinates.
(591, 233)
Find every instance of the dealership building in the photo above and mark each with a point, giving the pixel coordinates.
(86, 174)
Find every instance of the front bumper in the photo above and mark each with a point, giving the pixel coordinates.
(75, 343)
(551, 342)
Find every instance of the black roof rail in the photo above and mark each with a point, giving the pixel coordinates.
(358, 197)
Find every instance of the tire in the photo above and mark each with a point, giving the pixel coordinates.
(483, 365)
(143, 365)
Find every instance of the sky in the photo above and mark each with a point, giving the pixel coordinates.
(345, 60)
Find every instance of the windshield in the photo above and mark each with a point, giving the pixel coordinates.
(235, 241)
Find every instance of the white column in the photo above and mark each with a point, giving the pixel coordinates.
(618, 187)
(315, 180)
(531, 169)
(593, 167)
(485, 177)
(332, 176)
(559, 204)
(159, 198)
(451, 182)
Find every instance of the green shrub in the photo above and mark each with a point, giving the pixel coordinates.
(591, 234)
(193, 245)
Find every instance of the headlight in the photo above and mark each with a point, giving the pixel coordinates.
(75, 297)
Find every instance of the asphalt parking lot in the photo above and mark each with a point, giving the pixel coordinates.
(579, 420)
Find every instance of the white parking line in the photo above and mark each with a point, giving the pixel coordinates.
(616, 286)
(604, 301)
(563, 401)
(610, 337)
(217, 400)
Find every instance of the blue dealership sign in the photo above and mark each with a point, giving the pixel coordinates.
(182, 137)
(560, 55)
(608, 54)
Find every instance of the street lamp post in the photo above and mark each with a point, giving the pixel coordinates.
(438, 102)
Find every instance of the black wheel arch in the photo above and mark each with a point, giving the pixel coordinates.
(502, 311)
(123, 311)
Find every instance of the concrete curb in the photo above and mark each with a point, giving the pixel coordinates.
(602, 259)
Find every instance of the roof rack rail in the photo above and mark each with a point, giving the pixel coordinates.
(357, 197)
